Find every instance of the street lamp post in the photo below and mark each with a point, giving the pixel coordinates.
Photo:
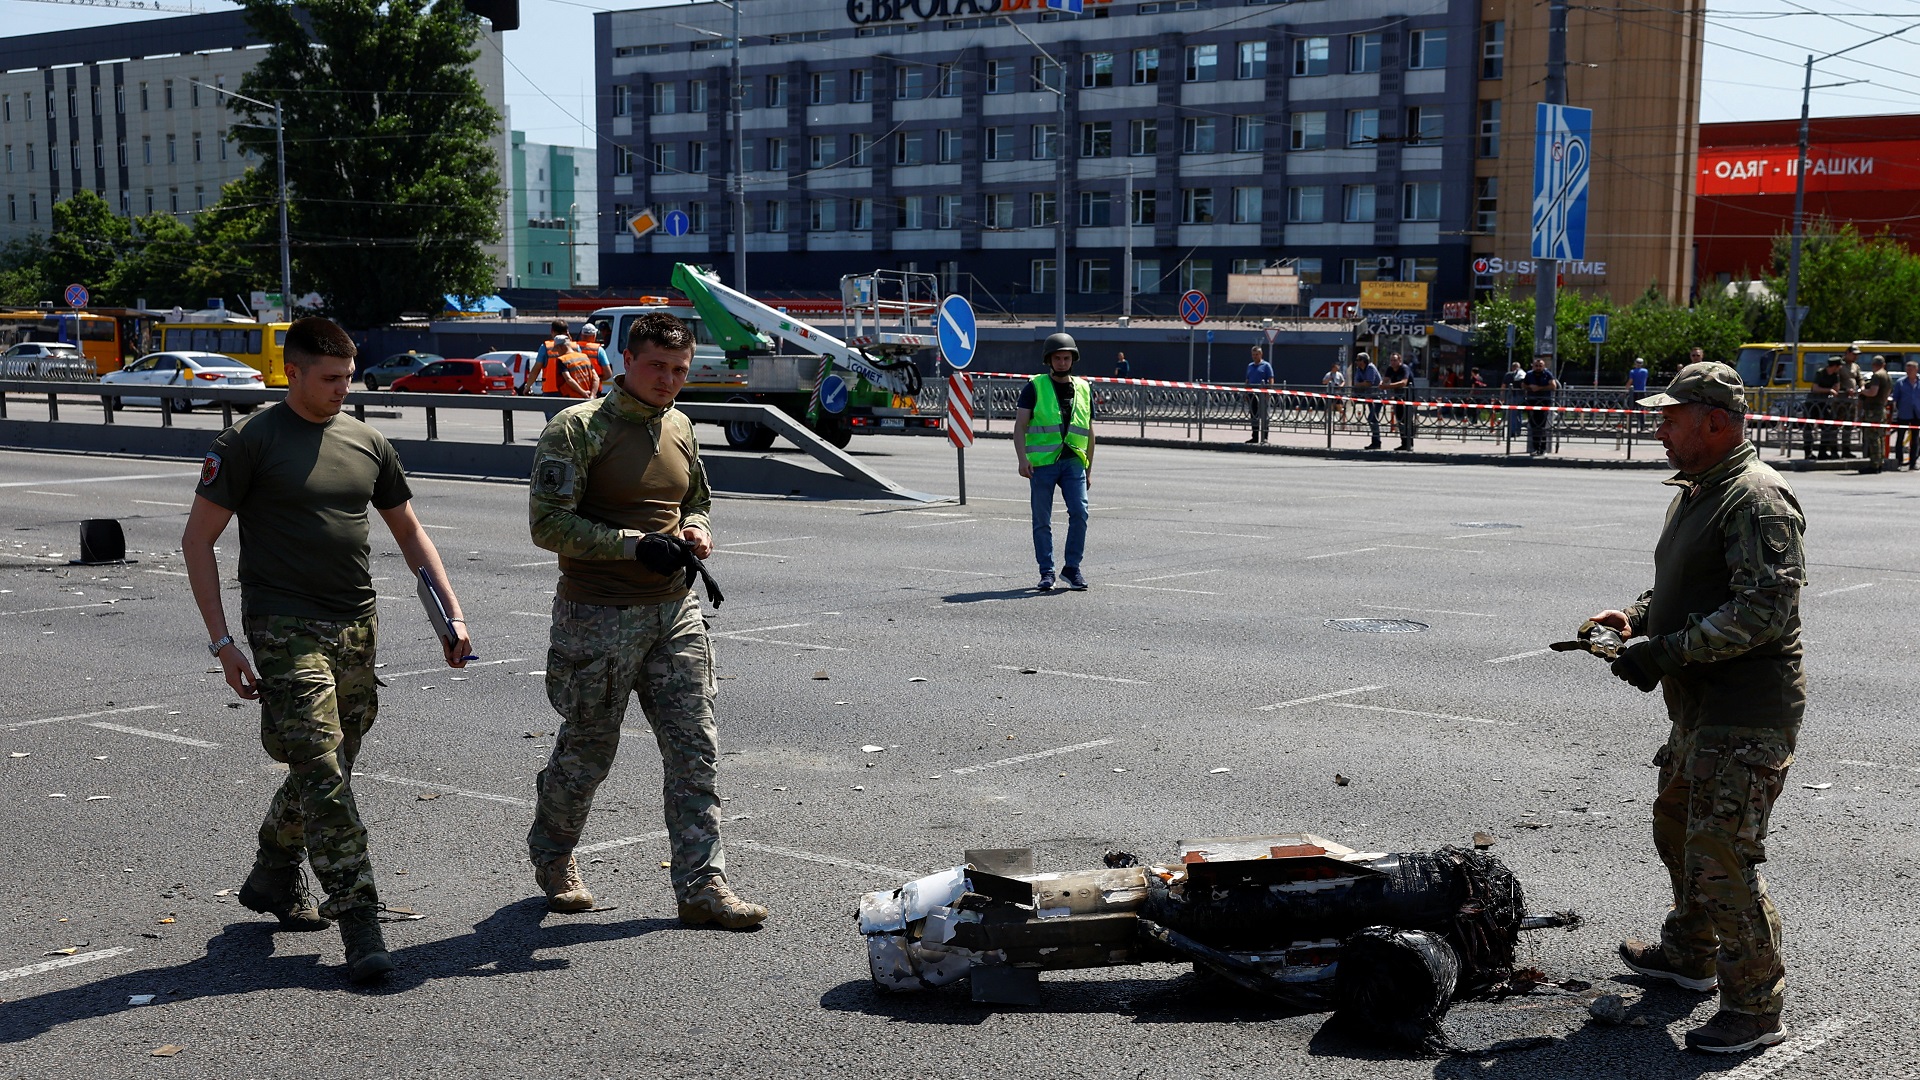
(1059, 182)
(280, 166)
(736, 180)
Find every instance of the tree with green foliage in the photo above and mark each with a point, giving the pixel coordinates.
(389, 143)
(22, 284)
(1649, 327)
(88, 239)
(1854, 287)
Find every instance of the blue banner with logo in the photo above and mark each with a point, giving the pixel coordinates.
(1562, 163)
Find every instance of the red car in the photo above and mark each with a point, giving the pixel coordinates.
(458, 377)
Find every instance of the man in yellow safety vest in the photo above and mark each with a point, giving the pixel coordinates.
(1053, 435)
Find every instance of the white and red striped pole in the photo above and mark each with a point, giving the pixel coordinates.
(960, 422)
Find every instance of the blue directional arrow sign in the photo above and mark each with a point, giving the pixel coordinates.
(833, 394)
(1597, 329)
(959, 333)
(677, 223)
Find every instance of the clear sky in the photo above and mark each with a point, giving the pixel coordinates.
(1755, 49)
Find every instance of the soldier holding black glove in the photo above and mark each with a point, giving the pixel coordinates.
(1719, 634)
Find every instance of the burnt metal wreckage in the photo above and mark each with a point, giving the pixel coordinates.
(1387, 941)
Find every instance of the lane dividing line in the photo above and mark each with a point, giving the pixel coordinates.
(825, 860)
(488, 796)
(777, 641)
(756, 543)
(755, 554)
(533, 614)
(1608, 525)
(1878, 765)
(471, 664)
(1188, 573)
(759, 629)
(168, 573)
(1073, 675)
(1163, 588)
(1318, 697)
(96, 480)
(624, 841)
(984, 766)
(61, 962)
(151, 502)
(542, 562)
(1430, 715)
(1848, 588)
(1337, 554)
(56, 494)
(1784, 1054)
(163, 735)
(936, 524)
(80, 716)
(944, 570)
(67, 607)
(1519, 656)
(1238, 536)
(1427, 610)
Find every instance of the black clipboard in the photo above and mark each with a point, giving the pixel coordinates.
(435, 606)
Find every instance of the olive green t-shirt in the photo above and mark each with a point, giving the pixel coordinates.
(301, 491)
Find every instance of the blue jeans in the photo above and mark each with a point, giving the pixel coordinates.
(1070, 477)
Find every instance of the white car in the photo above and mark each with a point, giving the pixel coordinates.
(43, 359)
(195, 369)
(525, 367)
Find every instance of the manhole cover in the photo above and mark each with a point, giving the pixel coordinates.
(1486, 525)
(1377, 626)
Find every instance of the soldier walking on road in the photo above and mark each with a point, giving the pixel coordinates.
(619, 494)
(1719, 633)
(300, 476)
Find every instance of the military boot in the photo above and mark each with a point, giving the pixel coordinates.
(281, 893)
(1732, 1032)
(1651, 961)
(713, 902)
(560, 880)
(367, 956)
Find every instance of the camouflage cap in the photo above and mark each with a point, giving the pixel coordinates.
(1706, 383)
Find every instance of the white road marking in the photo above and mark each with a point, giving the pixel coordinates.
(984, 766)
(762, 554)
(437, 670)
(1429, 715)
(432, 786)
(163, 735)
(1072, 674)
(827, 860)
(944, 570)
(81, 716)
(756, 543)
(1163, 588)
(777, 641)
(449, 528)
(67, 607)
(57, 494)
(152, 502)
(168, 573)
(1608, 525)
(534, 614)
(1317, 697)
(1429, 610)
(1879, 765)
(1847, 588)
(64, 961)
(760, 629)
(1470, 536)
(1239, 536)
(542, 562)
(1783, 1054)
(1337, 554)
(936, 524)
(624, 841)
(96, 480)
(1189, 573)
(1519, 656)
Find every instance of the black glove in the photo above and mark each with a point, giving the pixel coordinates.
(668, 555)
(1643, 662)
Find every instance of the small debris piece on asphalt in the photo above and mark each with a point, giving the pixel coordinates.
(166, 1051)
(917, 678)
(68, 951)
(1817, 787)
(98, 798)
(168, 919)
(18, 754)
(428, 796)
(821, 676)
(1341, 780)
(140, 999)
(224, 892)
(871, 749)
(1216, 772)
(1609, 1009)
(1530, 825)
(1483, 840)
(1574, 985)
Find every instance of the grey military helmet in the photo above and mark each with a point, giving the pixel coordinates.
(1058, 342)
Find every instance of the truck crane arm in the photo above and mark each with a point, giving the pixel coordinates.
(740, 322)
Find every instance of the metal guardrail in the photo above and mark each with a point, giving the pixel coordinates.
(48, 368)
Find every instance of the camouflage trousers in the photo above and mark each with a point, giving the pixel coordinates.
(600, 657)
(317, 701)
(1717, 787)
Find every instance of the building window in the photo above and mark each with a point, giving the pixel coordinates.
(196, 147)
(33, 206)
(1096, 275)
(1253, 60)
(998, 144)
(1000, 75)
(696, 96)
(820, 151)
(696, 157)
(623, 161)
(172, 157)
(777, 155)
(1420, 201)
(1427, 49)
(30, 163)
(622, 97)
(94, 93)
(1041, 274)
(947, 209)
(665, 98)
(1309, 131)
(1310, 55)
(1146, 276)
(13, 208)
(820, 88)
(1308, 270)
(1249, 134)
(1248, 266)
(1307, 205)
(1486, 203)
(1044, 73)
(1096, 70)
(193, 93)
(1489, 142)
(1363, 127)
(199, 199)
(149, 200)
(822, 215)
(776, 216)
(1145, 207)
(908, 82)
(1043, 209)
(1363, 53)
(1096, 209)
(1357, 203)
(1196, 135)
(1493, 50)
(1146, 66)
(1196, 206)
(99, 155)
(1354, 271)
(666, 157)
(861, 85)
(120, 102)
(1247, 203)
(218, 137)
(911, 215)
(1143, 137)
(949, 144)
(949, 80)
(862, 217)
(949, 273)
(776, 92)
(146, 149)
(6, 108)
(1196, 274)
(1426, 124)
(121, 150)
(144, 105)
(996, 211)
(906, 148)
(1096, 139)
(1203, 63)
(173, 201)
(860, 150)
(1420, 269)
(1044, 137)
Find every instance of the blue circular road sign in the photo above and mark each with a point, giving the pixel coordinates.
(77, 296)
(677, 223)
(1193, 307)
(959, 333)
(833, 394)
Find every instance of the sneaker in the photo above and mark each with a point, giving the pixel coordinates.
(367, 956)
(282, 894)
(560, 880)
(1731, 1032)
(1371, 446)
(714, 902)
(1071, 575)
(1651, 961)
(1046, 581)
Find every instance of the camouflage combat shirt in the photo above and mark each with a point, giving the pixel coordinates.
(1725, 601)
(608, 471)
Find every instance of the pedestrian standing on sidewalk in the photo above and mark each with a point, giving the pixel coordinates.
(1259, 375)
(1334, 382)
(1121, 369)
(1053, 435)
(1366, 384)
(1539, 385)
(1516, 383)
(1875, 396)
(1906, 414)
(1398, 383)
(1846, 402)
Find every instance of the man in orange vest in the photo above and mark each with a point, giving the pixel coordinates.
(589, 344)
(568, 371)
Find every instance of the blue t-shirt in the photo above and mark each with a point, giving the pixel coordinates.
(1639, 377)
(1259, 374)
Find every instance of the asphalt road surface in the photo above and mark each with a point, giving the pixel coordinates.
(133, 781)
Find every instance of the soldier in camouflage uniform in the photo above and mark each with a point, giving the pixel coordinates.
(300, 476)
(613, 479)
(1719, 634)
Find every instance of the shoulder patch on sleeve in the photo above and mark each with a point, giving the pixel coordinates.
(1776, 533)
(554, 476)
(209, 469)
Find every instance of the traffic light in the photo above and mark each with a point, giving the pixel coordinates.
(503, 14)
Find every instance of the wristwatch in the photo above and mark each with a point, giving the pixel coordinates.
(219, 643)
